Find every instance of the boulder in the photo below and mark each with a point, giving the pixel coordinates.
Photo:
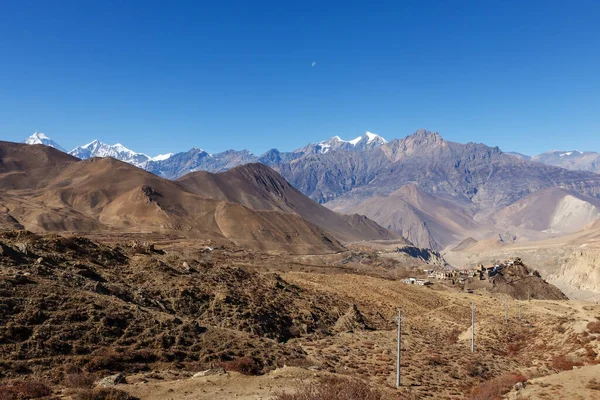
(353, 320)
(208, 372)
(111, 380)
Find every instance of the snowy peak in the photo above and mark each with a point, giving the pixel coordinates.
(162, 157)
(367, 141)
(98, 149)
(373, 137)
(41, 138)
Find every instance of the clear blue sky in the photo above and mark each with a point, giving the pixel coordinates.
(166, 76)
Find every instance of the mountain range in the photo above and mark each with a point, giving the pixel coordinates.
(432, 191)
(44, 190)
(573, 159)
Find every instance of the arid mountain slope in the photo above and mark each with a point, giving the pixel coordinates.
(438, 192)
(570, 262)
(106, 194)
(260, 188)
(555, 210)
(46, 190)
(425, 219)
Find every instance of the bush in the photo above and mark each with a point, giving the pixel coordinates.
(436, 359)
(103, 394)
(563, 364)
(243, 365)
(495, 388)
(477, 369)
(24, 389)
(333, 389)
(593, 384)
(79, 380)
(594, 327)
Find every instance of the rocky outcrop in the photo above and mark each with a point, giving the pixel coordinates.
(351, 321)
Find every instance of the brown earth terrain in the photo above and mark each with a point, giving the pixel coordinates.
(160, 308)
(45, 190)
(571, 262)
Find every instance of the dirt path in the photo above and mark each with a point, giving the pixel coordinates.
(222, 387)
(568, 385)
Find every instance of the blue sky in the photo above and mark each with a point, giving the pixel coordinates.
(166, 76)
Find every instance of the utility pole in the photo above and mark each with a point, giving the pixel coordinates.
(472, 327)
(399, 320)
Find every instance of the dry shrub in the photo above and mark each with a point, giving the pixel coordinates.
(590, 352)
(477, 369)
(436, 359)
(243, 365)
(594, 327)
(108, 360)
(495, 388)
(453, 335)
(563, 364)
(593, 384)
(24, 390)
(79, 380)
(102, 394)
(333, 389)
(8, 393)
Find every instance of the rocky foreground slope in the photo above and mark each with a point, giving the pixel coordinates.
(77, 310)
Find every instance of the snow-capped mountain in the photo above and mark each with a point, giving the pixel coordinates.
(367, 141)
(41, 138)
(573, 159)
(197, 159)
(118, 151)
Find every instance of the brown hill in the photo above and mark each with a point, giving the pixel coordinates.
(555, 209)
(465, 244)
(425, 219)
(259, 187)
(46, 190)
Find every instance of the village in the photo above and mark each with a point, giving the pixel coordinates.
(460, 277)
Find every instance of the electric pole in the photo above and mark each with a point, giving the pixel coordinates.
(472, 326)
(399, 320)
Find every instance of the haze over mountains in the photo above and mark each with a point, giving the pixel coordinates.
(573, 159)
(434, 192)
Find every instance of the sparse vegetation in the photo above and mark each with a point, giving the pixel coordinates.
(495, 388)
(102, 394)
(594, 384)
(79, 380)
(562, 363)
(28, 389)
(594, 327)
(333, 389)
(243, 365)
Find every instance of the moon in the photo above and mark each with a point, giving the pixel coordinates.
(313, 64)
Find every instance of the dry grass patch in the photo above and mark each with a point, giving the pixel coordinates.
(495, 388)
(79, 380)
(594, 327)
(561, 363)
(103, 394)
(593, 384)
(333, 389)
(24, 390)
(243, 365)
